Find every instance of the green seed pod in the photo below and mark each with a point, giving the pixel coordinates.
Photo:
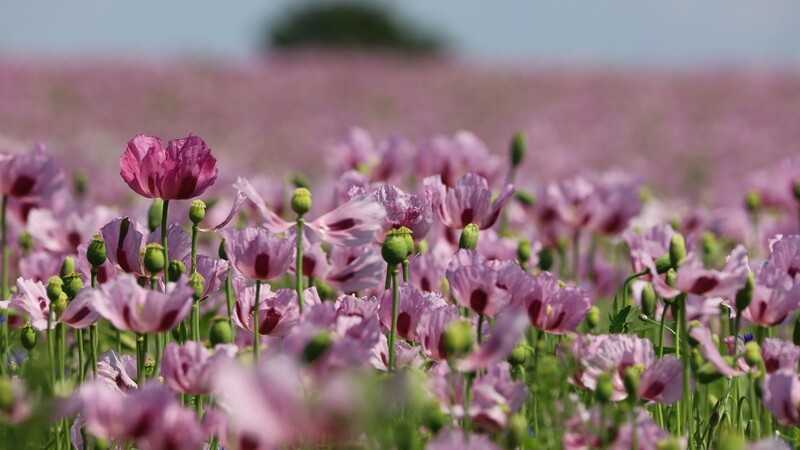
(731, 442)
(198, 283)
(223, 255)
(176, 269)
(55, 287)
(663, 263)
(96, 252)
(518, 355)
(60, 304)
(797, 190)
(517, 431)
(299, 181)
(221, 332)
(68, 266)
(630, 379)
(395, 248)
(72, 284)
(545, 259)
(28, 337)
(6, 394)
(796, 333)
(154, 258)
(432, 417)
(671, 278)
(197, 211)
(80, 182)
(301, 201)
(670, 443)
(154, 214)
(752, 201)
(708, 242)
(677, 250)
(458, 338)
(593, 317)
(752, 354)
(316, 346)
(745, 294)
(525, 198)
(605, 388)
(406, 233)
(648, 300)
(26, 241)
(517, 149)
(524, 250)
(469, 237)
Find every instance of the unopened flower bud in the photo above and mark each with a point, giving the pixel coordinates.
(301, 201)
(593, 317)
(60, 304)
(72, 284)
(176, 269)
(630, 379)
(648, 300)
(752, 201)
(518, 355)
(517, 149)
(26, 241)
(197, 211)
(524, 250)
(28, 337)
(6, 394)
(154, 214)
(406, 233)
(432, 417)
(670, 443)
(745, 294)
(517, 431)
(154, 258)
(80, 181)
(221, 332)
(55, 287)
(525, 198)
(197, 282)
(752, 354)
(671, 278)
(731, 442)
(663, 263)
(796, 332)
(605, 388)
(708, 242)
(96, 252)
(677, 250)
(299, 181)
(68, 266)
(458, 338)
(316, 346)
(469, 237)
(545, 259)
(395, 248)
(223, 255)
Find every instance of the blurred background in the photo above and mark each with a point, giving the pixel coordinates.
(690, 95)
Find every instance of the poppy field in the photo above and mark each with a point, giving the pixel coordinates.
(604, 273)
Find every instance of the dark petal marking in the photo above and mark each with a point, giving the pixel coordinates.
(478, 301)
(467, 216)
(74, 240)
(558, 321)
(309, 264)
(342, 225)
(533, 310)
(168, 320)
(22, 186)
(441, 347)
(703, 284)
(655, 389)
(403, 324)
(270, 321)
(188, 185)
(83, 312)
(262, 265)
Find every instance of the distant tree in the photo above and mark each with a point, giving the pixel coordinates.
(349, 25)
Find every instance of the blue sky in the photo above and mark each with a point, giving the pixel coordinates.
(608, 32)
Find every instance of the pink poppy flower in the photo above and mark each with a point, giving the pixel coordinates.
(405, 210)
(31, 301)
(126, 238)
(693, 278)
(184, 170)
(785, 253)
(552, 308)
(412, 305)
(31, 176)
(352, 224)
(780, 392)
(653, 242)
(457, 439)
(776, 295)
(81, 311)
(709, 350)
(354, 269)
(582, 431)
(315, 260)
(258, 254)
(62, 231)
(117, 371)
(779, 354)
(405, 355)
(18, 405)
(431, 330)
(468, 201)
(188, 368)
(40, 266)
(214, 272)
(473, 283)
(495, 397)
(503, 337)
(277, 311)
(452, 156)
(426, 271)
(129, 306)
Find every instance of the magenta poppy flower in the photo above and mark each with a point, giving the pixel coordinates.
(406, 210)
(185, 169)
(412, 305)
(780, 392)
(131, 307)
(31, 176)
(552, 308)
(126, 238)
(188, 368)
(117, 371)
(431, 330)
(468, 201)
(258, 254)
(473, 283)
(776, 295)
(779, 354)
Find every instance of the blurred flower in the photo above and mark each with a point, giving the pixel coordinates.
(31, 176)
(258, 254)
(468, 201)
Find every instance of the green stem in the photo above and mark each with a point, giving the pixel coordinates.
(480, 328)
(50, 345)
(395, 301)
(140, 352)
(576, 254)
(256, 336)
(4, 277)
(196, 321)
(661, 327)
(687, 401)
(164, 215)
(626, 286)
(299, 264)
(229, 297)
(93, 347)
(405, 271)
(79, 338)
(195, 233)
